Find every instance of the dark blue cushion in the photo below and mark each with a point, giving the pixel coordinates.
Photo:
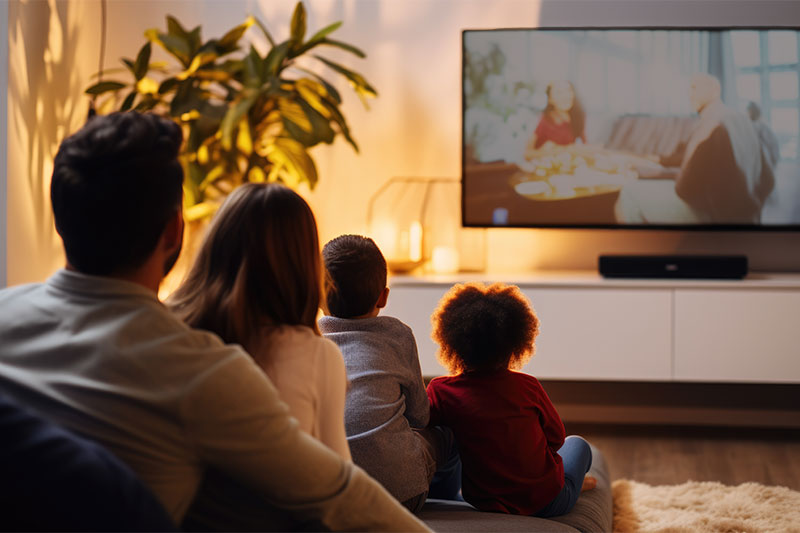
(54, 480)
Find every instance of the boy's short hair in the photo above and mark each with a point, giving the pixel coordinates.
(480, 328)
(116, 183)
(357, 271)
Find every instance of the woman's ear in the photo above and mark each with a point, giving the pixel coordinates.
(383, 298)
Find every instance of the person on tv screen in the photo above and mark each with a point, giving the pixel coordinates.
(563, 120)
(769, 142)
(723, 176)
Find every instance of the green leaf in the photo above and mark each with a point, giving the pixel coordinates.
(200, 211)
(142, 61)
(292, 161)
(167, 85)
(174, 28)
(330, 42)
(321, 130)
(275, 58)
(129, 63)
(194, 39)
(187, 98)
(254, 72)
(104, 87)
(215, 173)
(344, 46)
(332, 92)
(230, 40)
(128, 102)
(206, 125)
(201, 59)
(190, 194)
(359, 83)
(147, 103)
(325, 31)
(232, 118)
(339, 119)
(298, 25)
(103, 72)
(265, 31)
(215, 74)
(196, 175)
(178, 47)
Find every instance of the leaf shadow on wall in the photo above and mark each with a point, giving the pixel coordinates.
(46, 103)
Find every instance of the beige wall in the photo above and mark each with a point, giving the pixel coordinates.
(49, 63)
(3, 137)
(412, 129)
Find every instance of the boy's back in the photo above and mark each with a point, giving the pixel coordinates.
(386, 398)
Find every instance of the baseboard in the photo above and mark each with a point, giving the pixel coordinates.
(688, 404)
(677, 416)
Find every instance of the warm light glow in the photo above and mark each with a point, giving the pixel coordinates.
(384, 233)
(415, 242)
(444, 260)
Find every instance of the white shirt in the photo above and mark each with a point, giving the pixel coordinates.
(106, 359)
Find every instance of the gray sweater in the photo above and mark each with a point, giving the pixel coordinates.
(385, 399)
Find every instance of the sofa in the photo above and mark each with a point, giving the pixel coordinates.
(593, 512)
(56, 480)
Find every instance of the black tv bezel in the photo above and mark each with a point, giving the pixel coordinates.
(756, 228)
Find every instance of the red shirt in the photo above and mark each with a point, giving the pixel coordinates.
(508, 433)
(561, 134)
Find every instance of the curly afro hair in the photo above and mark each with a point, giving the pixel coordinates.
(481, 329)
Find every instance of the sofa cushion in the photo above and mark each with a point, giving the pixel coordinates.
(54, 480)
(593, 512)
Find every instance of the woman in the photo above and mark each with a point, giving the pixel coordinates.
(563, 119)
(258, 281)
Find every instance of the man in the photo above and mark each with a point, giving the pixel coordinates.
(769, 142)
(723, 177)
(93, 349)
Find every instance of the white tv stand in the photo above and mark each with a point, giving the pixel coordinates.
(597, 329)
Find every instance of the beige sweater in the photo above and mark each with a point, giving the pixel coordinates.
(308, 371)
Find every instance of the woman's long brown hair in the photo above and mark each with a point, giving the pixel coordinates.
(577, 115)
(259, 265)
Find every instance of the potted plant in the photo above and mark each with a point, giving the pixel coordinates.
(246, 116)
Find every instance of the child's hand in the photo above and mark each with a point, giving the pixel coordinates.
(589, 482)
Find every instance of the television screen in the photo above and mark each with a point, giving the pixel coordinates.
(635, 128)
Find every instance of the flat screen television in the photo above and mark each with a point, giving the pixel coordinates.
(663, 128)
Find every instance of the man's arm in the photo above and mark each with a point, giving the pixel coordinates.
(238, 424)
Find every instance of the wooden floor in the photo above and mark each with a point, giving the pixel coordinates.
(664, 455)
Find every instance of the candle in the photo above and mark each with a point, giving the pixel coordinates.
(444, 260)
(385, 235)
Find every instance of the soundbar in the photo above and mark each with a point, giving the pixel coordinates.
(673, 266)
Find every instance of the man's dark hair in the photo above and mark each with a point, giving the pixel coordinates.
(358, 274)
(116, 183)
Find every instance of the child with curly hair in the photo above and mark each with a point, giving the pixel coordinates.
(515, 456)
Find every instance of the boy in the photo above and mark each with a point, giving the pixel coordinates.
(387, 409)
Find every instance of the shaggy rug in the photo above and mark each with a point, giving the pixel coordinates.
(704, 507)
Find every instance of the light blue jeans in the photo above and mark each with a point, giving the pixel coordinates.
(577, 458)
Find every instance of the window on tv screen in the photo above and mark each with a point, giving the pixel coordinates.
(667, 128)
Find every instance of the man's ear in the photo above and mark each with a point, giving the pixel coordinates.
(383, 298)
(173, 232)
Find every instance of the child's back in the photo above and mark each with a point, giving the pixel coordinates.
(515, 455)
(508, 435)
(386, 398)
(387, 409)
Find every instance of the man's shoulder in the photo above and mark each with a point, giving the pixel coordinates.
(10, 294)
